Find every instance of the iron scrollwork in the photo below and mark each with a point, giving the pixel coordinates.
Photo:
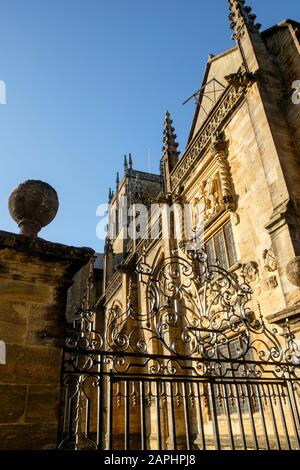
(196, 312)
(198, 346)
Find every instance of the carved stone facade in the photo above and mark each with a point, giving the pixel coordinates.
(238, 167)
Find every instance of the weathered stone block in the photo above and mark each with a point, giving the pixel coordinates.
(42, 404)
(31, 365)
(46, 326)
(28, 436)
(12, 403)
(11, 290)
(13, 322)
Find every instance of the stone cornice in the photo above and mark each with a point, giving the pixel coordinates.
(292, 314)
(280, 216)
(34, 260)
(214, 123)
(43, 249)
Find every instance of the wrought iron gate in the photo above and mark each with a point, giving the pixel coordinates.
(198, 370)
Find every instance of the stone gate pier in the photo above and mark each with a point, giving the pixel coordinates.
(35, 275)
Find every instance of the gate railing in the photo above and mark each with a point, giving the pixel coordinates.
(197, 370)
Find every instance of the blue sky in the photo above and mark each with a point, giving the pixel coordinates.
(89, 80)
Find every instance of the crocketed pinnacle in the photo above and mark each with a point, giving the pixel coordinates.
(125, 163)
(170, 146)
(240, 16)
(130, 162)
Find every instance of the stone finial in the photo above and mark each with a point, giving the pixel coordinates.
(130, 162)
(240, 16)
(33, 205)
(125, 164)
(117, 182)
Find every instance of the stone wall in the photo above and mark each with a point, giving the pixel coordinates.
(34, 278)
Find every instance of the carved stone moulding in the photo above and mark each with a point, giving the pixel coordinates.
(270, 261)
(293, 271)
(250, 271)
(211, 196)
(290, 314)
(240, 80)
(132, 292)
(216, 189)
(270, 283)
(231, 98)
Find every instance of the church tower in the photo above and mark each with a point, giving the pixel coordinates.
(135, 190)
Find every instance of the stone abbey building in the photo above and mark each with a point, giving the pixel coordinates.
(241, 161)
(191, 340)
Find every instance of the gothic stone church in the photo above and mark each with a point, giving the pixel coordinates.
(242, 160)
(173, 346)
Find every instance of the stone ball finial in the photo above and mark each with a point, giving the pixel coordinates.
(293, 271)
(33, 205)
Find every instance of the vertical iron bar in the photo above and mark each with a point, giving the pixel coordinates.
(240, 416)
(126, 412)
(87, 417)
(77, 415)
(62, 408)
(295, 422)
(66, 412)
(100, 412)
(273, 419)
(283, 420)
(200, 414)
(172, 417)
(158, 416)
(250, 411)
(110, 412)
(214, 415)
(297, 399)
(143, 415)
(70, 416)
(186, 415)
(294, 404)
(227, 412)
(262, 416)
